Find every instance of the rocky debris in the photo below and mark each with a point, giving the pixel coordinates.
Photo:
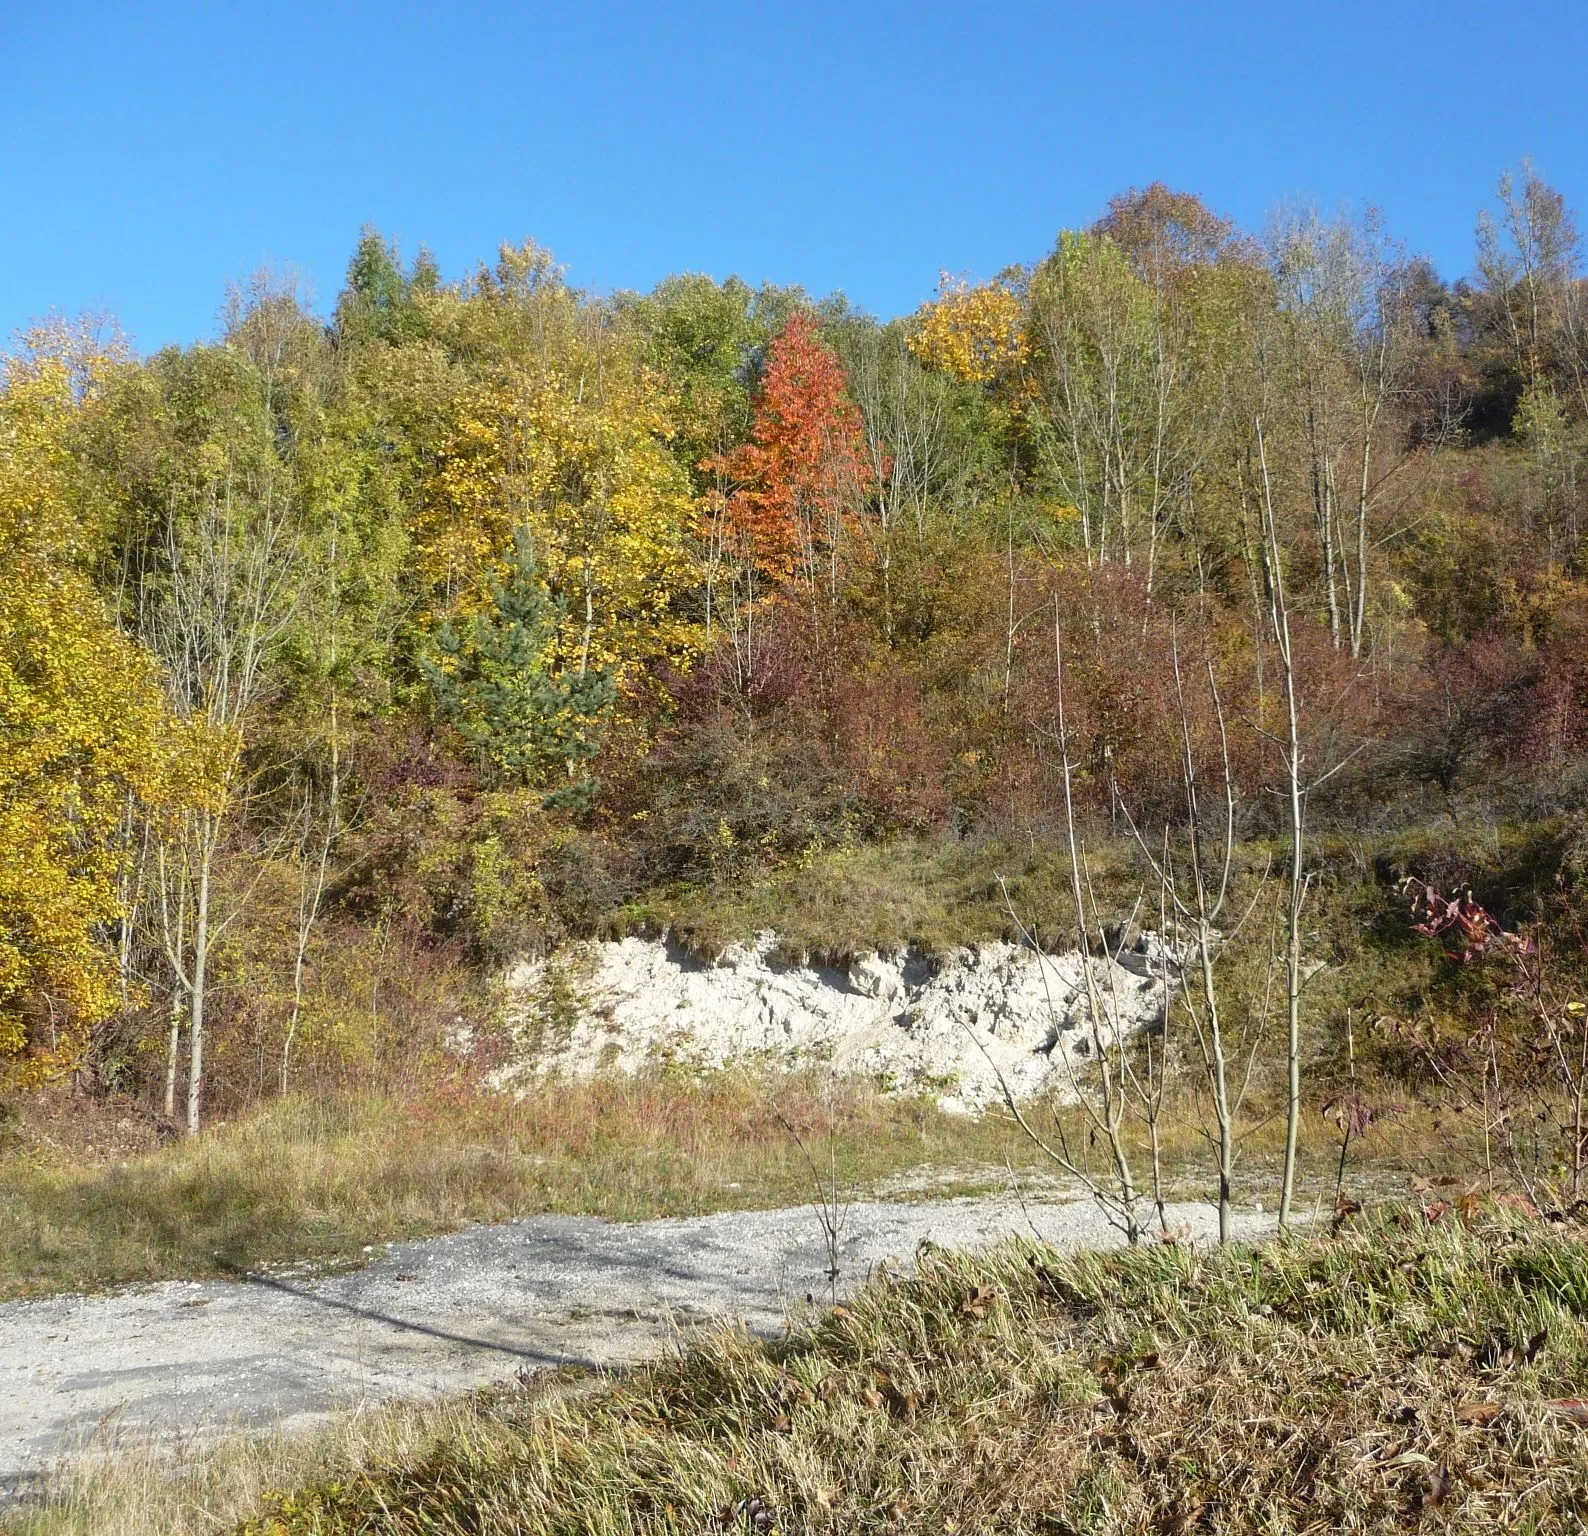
(950, 1027)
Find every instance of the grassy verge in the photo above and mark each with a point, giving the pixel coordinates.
(319, 1179)
(125, 1485)
(1410, 1374)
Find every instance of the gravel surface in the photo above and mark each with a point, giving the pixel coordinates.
(448, 1313)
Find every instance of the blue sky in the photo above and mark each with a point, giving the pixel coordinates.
(156, 152)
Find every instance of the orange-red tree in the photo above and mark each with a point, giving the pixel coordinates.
(803, 477)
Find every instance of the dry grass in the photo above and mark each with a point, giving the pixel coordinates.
(320, 1178)
(1398, 1377)
(127, 1485)
(1406, 1375)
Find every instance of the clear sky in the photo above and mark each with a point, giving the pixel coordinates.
(155, 152)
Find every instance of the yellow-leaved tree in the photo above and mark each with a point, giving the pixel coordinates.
(561, 435)
(976, 333)
(83, 733)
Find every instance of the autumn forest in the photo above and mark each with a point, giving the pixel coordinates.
(349, 656)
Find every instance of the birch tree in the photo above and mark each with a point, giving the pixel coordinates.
(226, 600)
(1110, 370)
(208, 505)
(1345, 304)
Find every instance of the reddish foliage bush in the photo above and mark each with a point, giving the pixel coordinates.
(1552, 731)
(803, 734)
(882, 742)
(1461, 704)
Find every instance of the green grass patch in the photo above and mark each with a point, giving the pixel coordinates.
(934, 894)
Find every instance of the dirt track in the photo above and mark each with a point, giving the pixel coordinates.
(447, 1313)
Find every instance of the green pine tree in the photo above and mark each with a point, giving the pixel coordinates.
(531, 722)
(379, 301)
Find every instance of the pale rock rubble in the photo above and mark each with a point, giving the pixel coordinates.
(949, 1027)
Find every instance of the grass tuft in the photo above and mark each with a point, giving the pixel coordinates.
(1375, 1381)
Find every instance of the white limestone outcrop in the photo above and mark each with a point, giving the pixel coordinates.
(949, 1027)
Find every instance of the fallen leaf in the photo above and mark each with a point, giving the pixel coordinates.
(1183, 1518)
(1410, 1459)
(1058, 1286)
(1344, 1209)
(977, 1301)
(1518, 1203)
(755, 1512)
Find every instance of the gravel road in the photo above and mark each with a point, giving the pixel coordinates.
(448, 1313)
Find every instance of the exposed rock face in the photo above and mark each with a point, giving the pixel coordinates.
(914, 1025)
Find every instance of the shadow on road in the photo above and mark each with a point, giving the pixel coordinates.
(539, 1357)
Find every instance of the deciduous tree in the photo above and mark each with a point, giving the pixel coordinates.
(803, 477)
(82, 729)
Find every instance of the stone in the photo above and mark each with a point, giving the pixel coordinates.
(949, 1027)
